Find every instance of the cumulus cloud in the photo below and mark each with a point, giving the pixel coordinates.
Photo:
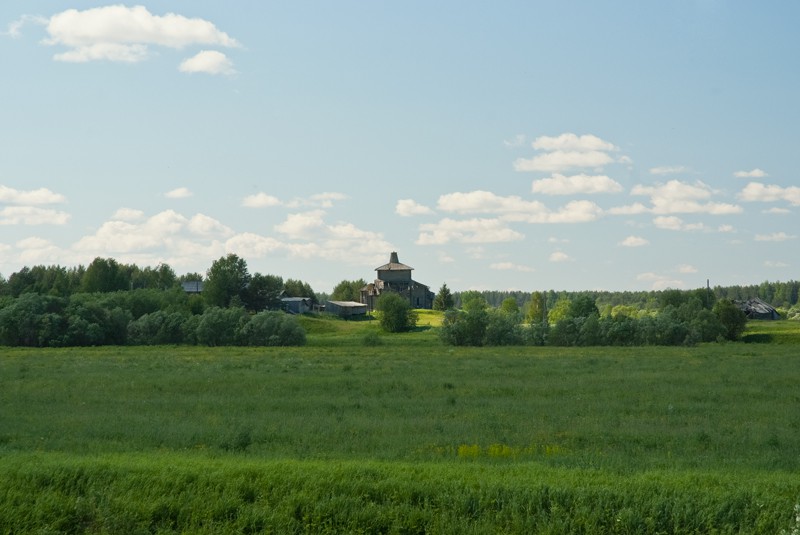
(578, 184)
(302, 225)
(510, 266)
(634, 241)
(167, 229)
(178, 193)
(208, 62)
(514, 208)
(567, 151)
(127, 214)
(659, 282)
(572, 212)
(125, 34)
(32, 215)
(675, 197)
(35, 250)
(562, 160)
(676, 223)
(476, 230)
(687, 268)
(486, 202)
(669, 170)
(775, 237)
(572, 142)
(260, 200)
(322, 200)
(516, 141)
(759, 192)
(755, 173)
(559, 256)
(409, 207)
(36, 196)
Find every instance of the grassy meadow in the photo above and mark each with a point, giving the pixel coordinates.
(408, 436)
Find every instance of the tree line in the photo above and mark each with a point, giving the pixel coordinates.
(111, 303)
(684, 318)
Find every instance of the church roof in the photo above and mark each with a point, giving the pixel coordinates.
(393, 265)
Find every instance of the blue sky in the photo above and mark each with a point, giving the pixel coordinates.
(571, 145)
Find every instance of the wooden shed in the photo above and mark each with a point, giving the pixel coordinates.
(346, 309)
(756, 309)
(296, 305)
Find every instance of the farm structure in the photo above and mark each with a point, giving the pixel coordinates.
(396, 277)
(346, 309)
(756, 309)
(296, 305)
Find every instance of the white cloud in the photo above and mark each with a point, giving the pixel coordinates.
(302, 225)
(758, 192)
(669, 170)
(409, 207)
(260, 200)
(572, 212)
(552, 162)
(775, 237)
(774, 264)
(567, 151)
(178, 193)
(755, 173)
(208, 62)
(466, 231)
(659, 282)
(36, 196)
(677, 197)
(633, 209)
(725, 228)
(127, 214)
(165, 230)
(510, 266)
(31, 215)
(676, 223)
(35, 250)
(121, 33)
(778, 211)
(486, 202)
(514, 208)
(634, 241)
(578, 184)
(572, 142)
(517, 141)
(323, 200)
(559, 256)
(253, 245)
(687, 268)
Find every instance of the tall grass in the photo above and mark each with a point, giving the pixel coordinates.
(172, 493)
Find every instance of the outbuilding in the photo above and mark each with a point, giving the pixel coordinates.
(756, 309)
(346, 309)
(296, 305)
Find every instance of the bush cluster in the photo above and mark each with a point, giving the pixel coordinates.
(138, 317)
(580, 324)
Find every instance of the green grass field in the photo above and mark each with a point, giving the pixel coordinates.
(407, 437)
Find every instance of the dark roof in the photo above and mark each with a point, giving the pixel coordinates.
(394, 264)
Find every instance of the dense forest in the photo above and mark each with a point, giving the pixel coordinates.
(108, 302)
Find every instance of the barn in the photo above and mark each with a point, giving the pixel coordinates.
(756, 309)
(346, 309)
(296, 305)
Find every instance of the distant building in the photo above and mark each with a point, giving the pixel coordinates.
(396, 277)
(192, 287)
(296, 305)
(346, 309)
(756, 309)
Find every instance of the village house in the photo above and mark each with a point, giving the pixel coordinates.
(396, 277)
